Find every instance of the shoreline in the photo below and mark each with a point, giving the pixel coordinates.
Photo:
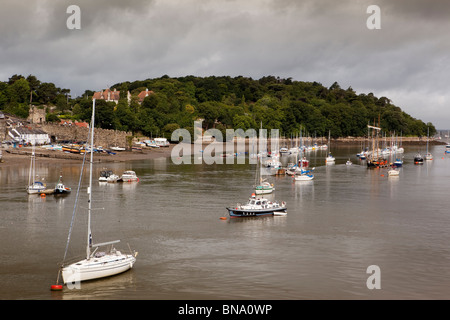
(21, 156)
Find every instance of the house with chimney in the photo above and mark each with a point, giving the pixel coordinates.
(110, 95)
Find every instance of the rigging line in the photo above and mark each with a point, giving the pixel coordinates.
(76, 201)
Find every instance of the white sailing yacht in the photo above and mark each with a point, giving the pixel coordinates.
(34, 187)
(329, 159)
(98, 264)
(428, 155)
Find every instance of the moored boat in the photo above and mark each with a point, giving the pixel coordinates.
(418, 159)
(257, 207)
(60, 188)
(128, 176)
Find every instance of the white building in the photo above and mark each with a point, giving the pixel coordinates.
(26, 135)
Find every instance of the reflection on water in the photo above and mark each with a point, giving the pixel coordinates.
(338, 224)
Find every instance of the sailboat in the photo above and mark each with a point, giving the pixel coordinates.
(97, 264)
(329, 158)
(428, 155)
(34, 187)
(303, 175)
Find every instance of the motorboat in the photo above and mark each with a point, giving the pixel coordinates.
(258, 207)
(104, 174)
(128, 176)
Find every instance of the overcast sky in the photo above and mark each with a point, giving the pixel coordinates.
(407, 60)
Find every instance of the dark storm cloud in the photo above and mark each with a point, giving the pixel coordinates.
(325, 41)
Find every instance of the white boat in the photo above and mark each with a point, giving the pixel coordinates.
(428, 155)
(104, 174)
(348, 163)
(117, 148)
(96, 264)
(306, 176)
(129, 176)
(264, 187)
(34, 187)
(112, 178)
(162, 142)
(393, 172)
(330, 159)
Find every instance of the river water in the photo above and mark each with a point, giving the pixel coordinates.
(345, 220)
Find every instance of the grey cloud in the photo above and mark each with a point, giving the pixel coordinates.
(321, 40)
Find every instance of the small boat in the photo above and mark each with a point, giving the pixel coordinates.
(398, 162)
(348, 163)
(104, 174)
(330, 158)
(34, 187)
(304, 175)
(117, 148)
(128, 176)
(428, 156)
(60, 188)
(112, 178)
(418, 159)
(258, 207)
(264, 187)
(303, 162)
(393, 172)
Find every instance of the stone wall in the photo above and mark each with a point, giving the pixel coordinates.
(102, 137)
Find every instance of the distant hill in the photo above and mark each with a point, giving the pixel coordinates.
(222, 102)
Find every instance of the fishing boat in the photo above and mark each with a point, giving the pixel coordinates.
(34, 187)
(348, 163)
(128, 176)
(60, 188)
(97, 264)
(257, 207)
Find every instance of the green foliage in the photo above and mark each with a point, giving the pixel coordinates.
(223, 103)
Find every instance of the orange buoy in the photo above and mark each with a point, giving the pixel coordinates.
(42, 195)
(382, 175)
(56, 287)
(223, 218)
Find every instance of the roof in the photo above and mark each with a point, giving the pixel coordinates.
(144, 94)
(113, 95)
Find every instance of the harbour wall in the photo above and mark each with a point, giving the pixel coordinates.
(102, 137)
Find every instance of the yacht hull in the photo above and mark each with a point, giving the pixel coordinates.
(96, 268)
